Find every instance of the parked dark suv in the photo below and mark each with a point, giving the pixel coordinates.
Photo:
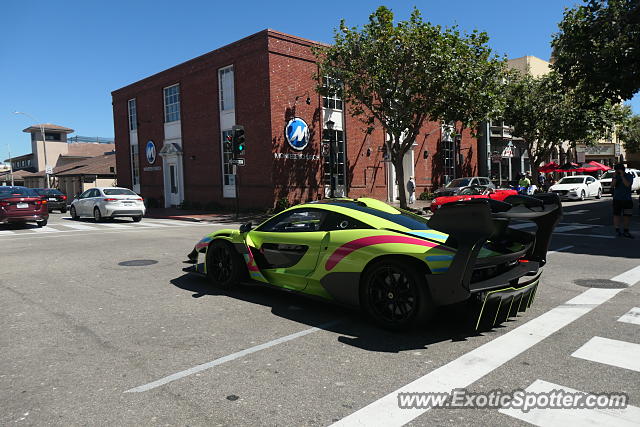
(21, 205)
(56, 200)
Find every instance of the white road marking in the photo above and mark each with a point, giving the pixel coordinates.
(470, 367)
(116, 225)
(523, 225)
(76, 226)
(564, 248)
(564, 228)
(6, 232)
(46, 229)
(599, 236)
(208, 365)
(611, 352)
(628, 416)
(632, 316)
(578, 212)
(144, 223)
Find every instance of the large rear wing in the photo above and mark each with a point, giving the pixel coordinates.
(471, 223)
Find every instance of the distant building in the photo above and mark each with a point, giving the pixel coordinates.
(55, 148)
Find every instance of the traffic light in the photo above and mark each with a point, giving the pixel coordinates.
(239, 145)
(228, 143)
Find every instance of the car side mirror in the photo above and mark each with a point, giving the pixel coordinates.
(244, 228)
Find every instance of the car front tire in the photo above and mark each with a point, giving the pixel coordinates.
(74, 214)
(582, 196)
(395, 296)
(224, 265)
(599, 194)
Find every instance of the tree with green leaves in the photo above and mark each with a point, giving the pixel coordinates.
(597, 50)
(545, 114)
(630, 134)
(406, 74)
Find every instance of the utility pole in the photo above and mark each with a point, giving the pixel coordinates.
(44, 146)
(10, 164)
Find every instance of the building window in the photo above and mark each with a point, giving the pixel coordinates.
(339, 157)
(29, 162)
(227, 93)
(172, 103)
(52, 136)
(133, 115)
(333, 99)
(135, 165)
(227, 155)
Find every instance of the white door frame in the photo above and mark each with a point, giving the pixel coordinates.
(408, 163)
(171, 154)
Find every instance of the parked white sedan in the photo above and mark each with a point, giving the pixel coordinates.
(577, 187)
(103, 203)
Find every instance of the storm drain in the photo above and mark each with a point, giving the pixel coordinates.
(600, 283)
(138, 262)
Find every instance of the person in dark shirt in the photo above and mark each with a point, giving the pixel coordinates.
(622, 201)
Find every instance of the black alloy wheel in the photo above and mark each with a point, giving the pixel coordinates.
(74, 214)
(223, 264)
(395, 295)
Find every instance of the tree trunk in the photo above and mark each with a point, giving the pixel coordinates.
(399, 167)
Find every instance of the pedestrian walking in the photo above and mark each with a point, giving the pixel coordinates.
(622, 201)
(541, 181)
(411, 189)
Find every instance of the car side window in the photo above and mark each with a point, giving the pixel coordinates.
(295, 221)
(336, 221)
(590, 180)
(84, 195)
(93, 193)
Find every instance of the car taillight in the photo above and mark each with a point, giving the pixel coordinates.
(110, 200)
(140, 198)
(40, 202)
(3, 204)
(64, 197)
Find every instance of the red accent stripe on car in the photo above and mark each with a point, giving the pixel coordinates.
(354, 245)
(251, 265)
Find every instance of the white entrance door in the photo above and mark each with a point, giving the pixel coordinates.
(171, 154)
(174, 184)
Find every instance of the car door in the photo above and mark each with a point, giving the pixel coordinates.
(592, 189)
(80, 203)
(286, 248)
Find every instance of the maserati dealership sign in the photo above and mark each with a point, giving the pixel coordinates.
(297, 133)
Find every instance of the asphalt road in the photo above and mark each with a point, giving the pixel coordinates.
(86, 340)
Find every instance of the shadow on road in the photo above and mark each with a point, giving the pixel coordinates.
(453, 323)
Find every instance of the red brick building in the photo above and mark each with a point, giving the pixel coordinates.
(170, 128)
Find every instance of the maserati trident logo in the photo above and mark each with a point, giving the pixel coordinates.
(297, 133)
(150, 151)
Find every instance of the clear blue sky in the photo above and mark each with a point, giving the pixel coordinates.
(60, 60)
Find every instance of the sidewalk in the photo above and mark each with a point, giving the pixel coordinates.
(203, 216)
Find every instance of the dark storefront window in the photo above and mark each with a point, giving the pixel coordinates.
(339, 156)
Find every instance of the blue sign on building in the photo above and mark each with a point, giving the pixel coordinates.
(297, 133)
(150, 151)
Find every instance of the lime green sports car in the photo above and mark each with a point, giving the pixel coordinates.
(395, 265)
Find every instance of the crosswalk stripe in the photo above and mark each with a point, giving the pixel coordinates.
(565, 228)
(45, 229)
(632, 316)
(144, 223)
(77, 226)
(5, 232)
(611, 352)
(628, 416)
(116, 225)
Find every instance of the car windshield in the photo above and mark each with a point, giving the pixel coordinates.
(7, 192)
(472, 191)
(118, 192)
(608, 174)
(571, 180)
(459, 182)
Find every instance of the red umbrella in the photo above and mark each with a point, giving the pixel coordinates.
(568, 167)
(548, 168)
(599, 166)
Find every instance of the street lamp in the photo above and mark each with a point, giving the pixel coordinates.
(332, 182)
(44, 146)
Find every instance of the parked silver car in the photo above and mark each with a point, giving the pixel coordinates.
(108, 202)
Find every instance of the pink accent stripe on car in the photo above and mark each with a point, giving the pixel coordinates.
(354, 245)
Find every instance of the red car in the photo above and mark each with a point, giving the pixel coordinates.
(21, 205)
(474, 192)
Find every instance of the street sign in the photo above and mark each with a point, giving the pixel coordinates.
(48, 170)
(239, 162)
(507, 152)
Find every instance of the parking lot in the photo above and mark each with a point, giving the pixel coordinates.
(99, 325)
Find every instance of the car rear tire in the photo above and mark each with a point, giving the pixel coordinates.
(63, 210)
(224, 265)
(97, 216)
(74, 214)
(41, 223)
(395, 295)
(136, 218)
(599, 194)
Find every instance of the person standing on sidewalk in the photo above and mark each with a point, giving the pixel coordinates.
(622, 201)
(411, 189)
